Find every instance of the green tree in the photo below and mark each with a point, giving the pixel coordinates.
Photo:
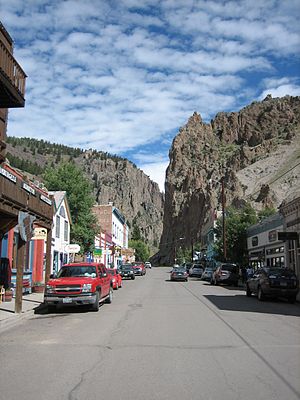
(68, 177)
(237, 222)
(266, 212)
(142, 251)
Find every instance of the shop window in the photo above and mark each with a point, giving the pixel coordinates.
(254, 241)
(57, 228)
(66, 231)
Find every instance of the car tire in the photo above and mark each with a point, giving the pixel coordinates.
(133, 277)
(110, 296)
(248, 291)
(51, 308)
(260, 294)
(292, 299)
(95, 306)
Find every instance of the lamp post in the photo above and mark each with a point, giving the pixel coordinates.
(175, 248)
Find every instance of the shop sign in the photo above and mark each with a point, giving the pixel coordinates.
(97, 252)
(72, 248)
(287, 236)
(8, 175)
(28, 188)
(46, 200)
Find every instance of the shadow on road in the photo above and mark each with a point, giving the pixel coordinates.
(252, 304)
(241, 288)
(62, 310)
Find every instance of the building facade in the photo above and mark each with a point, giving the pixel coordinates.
(113, 223)
(22, 203)
(264, 248)
(290, 210)
(61, 231)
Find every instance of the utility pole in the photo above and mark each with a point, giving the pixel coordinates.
(223, 222)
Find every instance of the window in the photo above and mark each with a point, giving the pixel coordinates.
(62, 212)
(255, 241)
(66, 231)
(57, 228)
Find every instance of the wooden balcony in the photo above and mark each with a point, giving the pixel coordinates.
(12, 80)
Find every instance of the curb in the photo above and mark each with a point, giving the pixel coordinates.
(17, 319)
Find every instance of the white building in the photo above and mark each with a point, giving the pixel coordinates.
(61, 230)
(113, 223)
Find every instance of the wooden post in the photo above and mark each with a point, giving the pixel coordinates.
(19, 278)
(223, 222)
(48, 255)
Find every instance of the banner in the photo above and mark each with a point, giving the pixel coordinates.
(25, 222)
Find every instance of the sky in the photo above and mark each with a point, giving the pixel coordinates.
(123, 76)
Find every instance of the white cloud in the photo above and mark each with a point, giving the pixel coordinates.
(121, 76)
(156, 172)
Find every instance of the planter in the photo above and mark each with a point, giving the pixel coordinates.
(8, 295)
(38, 289)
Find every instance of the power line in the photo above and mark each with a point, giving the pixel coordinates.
(270, 183)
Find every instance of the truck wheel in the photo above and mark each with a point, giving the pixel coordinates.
(260, 294)
(110, 296)
(248, 291)
(95, 306)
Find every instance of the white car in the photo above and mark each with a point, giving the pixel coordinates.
(148, 264)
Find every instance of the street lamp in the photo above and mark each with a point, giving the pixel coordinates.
(175, 248)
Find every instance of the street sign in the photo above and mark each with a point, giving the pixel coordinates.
(287, 236)
(72, 248)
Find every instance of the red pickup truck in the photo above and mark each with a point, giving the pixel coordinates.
(79, 284)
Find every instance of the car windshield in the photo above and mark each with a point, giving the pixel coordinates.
(180, 269)
(280, 272)
(76, 271)
(126, 267)
(229, 267)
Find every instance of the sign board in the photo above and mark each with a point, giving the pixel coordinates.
(39, 233)
(72, 248)
(287, 236)
(97, 252)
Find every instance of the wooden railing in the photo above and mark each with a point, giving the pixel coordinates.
(12, 69)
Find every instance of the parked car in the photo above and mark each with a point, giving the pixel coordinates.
(139, 268)
(196, 270)
(225, 273)
(127, 271)
(207, 274)
(116, 278)
(179, 274)
(79, 284)
(273, 282)
(148, 264)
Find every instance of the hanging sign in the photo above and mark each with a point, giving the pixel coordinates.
(72, 248)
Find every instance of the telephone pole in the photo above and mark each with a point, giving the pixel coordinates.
(223, 222)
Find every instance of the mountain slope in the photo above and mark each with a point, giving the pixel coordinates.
(253, 151)
(114, 179)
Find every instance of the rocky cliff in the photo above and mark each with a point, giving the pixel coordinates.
(131, 190)
(254, 151)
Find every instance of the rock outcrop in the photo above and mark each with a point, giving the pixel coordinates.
(241, 148)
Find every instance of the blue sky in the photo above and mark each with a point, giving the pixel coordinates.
(123, 75)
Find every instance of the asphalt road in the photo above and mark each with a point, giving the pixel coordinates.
(158, 340)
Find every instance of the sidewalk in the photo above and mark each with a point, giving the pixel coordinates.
(30, 303)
